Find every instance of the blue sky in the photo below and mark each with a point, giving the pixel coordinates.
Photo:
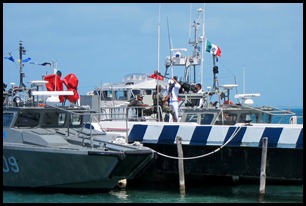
(102, 42)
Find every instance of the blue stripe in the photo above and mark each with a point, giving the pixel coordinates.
(299, 142)
(236, 141)
(4, 134)
(200, 135)
(273, 135)
(168, 134)
(137, 133)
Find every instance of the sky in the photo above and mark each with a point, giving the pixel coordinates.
(261, 43)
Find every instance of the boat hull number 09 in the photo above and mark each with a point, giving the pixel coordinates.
(10, 164)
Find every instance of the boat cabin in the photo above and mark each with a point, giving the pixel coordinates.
(232, 114)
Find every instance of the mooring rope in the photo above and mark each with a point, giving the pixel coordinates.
(207, 154)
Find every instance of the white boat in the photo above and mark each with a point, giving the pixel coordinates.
(220, 139)
(116, 94)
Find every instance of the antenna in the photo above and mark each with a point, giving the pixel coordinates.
(168, 62)
(243, 77)
(190, 20)
(169, 38)
(158, 39)
(203, 44)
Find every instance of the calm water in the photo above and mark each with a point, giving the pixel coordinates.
(204, 194)
(243, 193)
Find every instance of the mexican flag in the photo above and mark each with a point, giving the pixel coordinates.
(213, 49)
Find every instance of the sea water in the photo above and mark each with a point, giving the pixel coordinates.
(239, 193)
(242, 193)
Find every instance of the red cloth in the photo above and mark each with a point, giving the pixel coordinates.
(74, 97)
(54, 84)
(71, 81)
(154, 76)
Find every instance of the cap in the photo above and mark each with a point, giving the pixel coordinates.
(139, 95)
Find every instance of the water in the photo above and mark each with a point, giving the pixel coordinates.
(242, 193)
(204, 194)
(285, 120)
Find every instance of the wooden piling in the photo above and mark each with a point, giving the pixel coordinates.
(180, 165)
(262, 187)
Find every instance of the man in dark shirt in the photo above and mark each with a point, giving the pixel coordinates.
(138, 103)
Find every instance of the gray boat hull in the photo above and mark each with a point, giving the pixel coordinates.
(37, 167)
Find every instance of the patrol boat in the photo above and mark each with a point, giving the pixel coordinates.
(221, 138)
(51, 146)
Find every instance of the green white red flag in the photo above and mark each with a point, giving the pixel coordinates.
(213, 49)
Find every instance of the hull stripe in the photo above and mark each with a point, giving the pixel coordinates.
(217, 135)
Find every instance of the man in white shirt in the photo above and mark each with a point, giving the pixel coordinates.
(173, 88)
(198, 86)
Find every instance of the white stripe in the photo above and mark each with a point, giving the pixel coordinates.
(153, 132)
(289, 136)
(186, 133)
(217, 135)
(252, 136)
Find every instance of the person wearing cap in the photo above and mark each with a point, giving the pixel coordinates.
(158, 97)
(173, 88)
(138, 102)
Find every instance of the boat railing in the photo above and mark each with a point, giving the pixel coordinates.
(133, 113)
(272, 111)
(294, 119)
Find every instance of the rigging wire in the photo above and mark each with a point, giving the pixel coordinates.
(236, 131)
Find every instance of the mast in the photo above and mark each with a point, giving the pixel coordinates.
(21, 52)
(198, 40)
(177, 58)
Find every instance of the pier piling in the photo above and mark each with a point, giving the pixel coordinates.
(262, 187)
(180, 165)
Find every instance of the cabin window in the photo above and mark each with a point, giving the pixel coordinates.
(61, 119)
(134, 93)
(245, 117)
(76, 120)
(7, 119)
(192, 118)
(226, 119)
(206, 118)
(51, 119)
(148, 92)
(107, 95)
(121, 95)
(27, 119)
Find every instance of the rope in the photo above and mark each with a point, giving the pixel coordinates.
(207, 154)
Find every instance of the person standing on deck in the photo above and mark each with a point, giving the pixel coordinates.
(198, 86)
(173, 88)
(158, 99)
